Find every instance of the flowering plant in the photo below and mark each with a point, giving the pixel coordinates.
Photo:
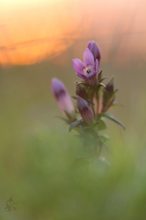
(93, 98)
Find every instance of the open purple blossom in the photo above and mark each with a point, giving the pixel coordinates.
(62, 96)
(88, 68)
(95, 50)
(85, 110)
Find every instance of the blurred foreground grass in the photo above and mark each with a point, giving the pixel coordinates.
(42, 173)
(49, 178)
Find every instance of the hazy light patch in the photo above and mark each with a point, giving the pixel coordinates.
(33, 30)
(17, 3)
(28, 35)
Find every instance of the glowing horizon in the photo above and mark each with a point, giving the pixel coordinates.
(31, 31)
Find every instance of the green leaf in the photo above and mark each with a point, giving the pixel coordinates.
(115, 120)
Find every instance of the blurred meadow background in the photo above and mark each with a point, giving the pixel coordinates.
(40, 174)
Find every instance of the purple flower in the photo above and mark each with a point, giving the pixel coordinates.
(88, 68)
(62, 96)
(85, 110)
(95, 50)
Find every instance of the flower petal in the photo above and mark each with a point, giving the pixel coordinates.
(97, 66)
(78, 65)
(88, 57)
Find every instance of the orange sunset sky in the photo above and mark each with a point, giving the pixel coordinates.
(33, 30)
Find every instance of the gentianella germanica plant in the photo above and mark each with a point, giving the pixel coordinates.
(93, 98)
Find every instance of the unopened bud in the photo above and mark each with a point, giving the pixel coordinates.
(109, 95)
(85, 110)
(110, 86)
(95, 50)
(81, 91)
(62, 96)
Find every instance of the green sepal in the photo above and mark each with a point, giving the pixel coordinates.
(100, 77)
(75, 124)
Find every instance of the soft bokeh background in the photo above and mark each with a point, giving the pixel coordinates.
(38, 39)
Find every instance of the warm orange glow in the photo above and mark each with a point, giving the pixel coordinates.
(31, 33)
(32, 30)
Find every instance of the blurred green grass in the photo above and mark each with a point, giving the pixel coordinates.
(48, 179)
(41, 175)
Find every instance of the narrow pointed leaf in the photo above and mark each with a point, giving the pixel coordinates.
(115, 120)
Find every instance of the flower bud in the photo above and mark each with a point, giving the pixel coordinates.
(85, 110)
(81, 91)
(95, 50)
(110, 86)
(109, 95)
(62, 96)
